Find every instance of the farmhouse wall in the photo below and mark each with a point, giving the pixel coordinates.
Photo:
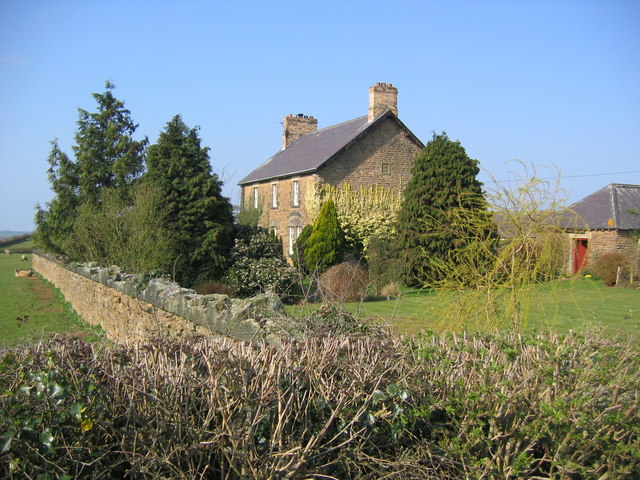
(285, 214)
(129, 308)
(610, 241)
(385, 156)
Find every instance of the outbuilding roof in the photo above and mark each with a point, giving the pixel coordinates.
(616, 206)
(312, 150)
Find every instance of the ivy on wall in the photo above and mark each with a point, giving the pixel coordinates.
(363, 213)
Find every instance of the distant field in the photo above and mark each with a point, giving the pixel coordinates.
(35, 299)
(17, 245)
(558, 306)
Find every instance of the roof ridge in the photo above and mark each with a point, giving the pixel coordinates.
(336, 125)
(614, 205)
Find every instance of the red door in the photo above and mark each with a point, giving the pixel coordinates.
(579, 255)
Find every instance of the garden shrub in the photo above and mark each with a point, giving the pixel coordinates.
(377, 406)
(258, 265)
(606, 267)
(390, 290)
(345, 282)
(383, 263)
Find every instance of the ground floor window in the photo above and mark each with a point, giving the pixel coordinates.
(294, 233)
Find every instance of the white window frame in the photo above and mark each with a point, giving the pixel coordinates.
(274, 195)
(294, 233)
(256, 197)
(295, 195)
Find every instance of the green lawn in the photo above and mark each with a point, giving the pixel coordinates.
(559, 306)
(36, 299)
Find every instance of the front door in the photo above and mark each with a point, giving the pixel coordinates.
(579, 255)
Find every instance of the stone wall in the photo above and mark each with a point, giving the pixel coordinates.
(130, 308)
(610, 241)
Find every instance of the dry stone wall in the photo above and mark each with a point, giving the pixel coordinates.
(132, 308)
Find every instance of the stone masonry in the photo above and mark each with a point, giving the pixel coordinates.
(129, 308)
(295, 126)
(384, 156)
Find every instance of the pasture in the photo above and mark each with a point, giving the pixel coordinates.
(31, 309)
(559, 306)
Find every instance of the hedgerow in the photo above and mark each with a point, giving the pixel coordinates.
(378, 406)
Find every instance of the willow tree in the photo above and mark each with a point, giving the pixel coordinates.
(489, 282)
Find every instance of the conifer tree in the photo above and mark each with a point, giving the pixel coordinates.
(105, 157)
(326, 244)
(55, 223)
(106, 154)
(200, 218)
(443, 178)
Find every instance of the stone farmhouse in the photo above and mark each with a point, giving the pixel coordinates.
(607, 221)
(375, 149)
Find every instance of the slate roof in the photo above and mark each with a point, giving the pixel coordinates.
(312, 150)
(616, 206)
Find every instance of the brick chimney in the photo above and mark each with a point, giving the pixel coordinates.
(382, 97)
(295, 126)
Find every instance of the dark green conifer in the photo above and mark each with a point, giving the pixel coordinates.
(443, 178)
(200, 218)
(326, 244)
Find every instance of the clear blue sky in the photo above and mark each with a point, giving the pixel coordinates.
(547, 82)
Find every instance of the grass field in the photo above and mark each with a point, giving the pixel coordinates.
(36, 299)
(559, 306)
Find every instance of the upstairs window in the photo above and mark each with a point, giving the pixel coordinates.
(295, 194)
(256, 197)
(274, 195)
(386, 169)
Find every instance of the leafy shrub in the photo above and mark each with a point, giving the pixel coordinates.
(384, 265)
(331, 320)
(390, 290)
(379, 406)
(124, 230)
(345, 282)
(606, 267)
(258, 265)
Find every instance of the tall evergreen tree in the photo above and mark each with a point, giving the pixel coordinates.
(443, 178)
(106, 154)
(326, 244)
(200, 218)
(55, 223)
